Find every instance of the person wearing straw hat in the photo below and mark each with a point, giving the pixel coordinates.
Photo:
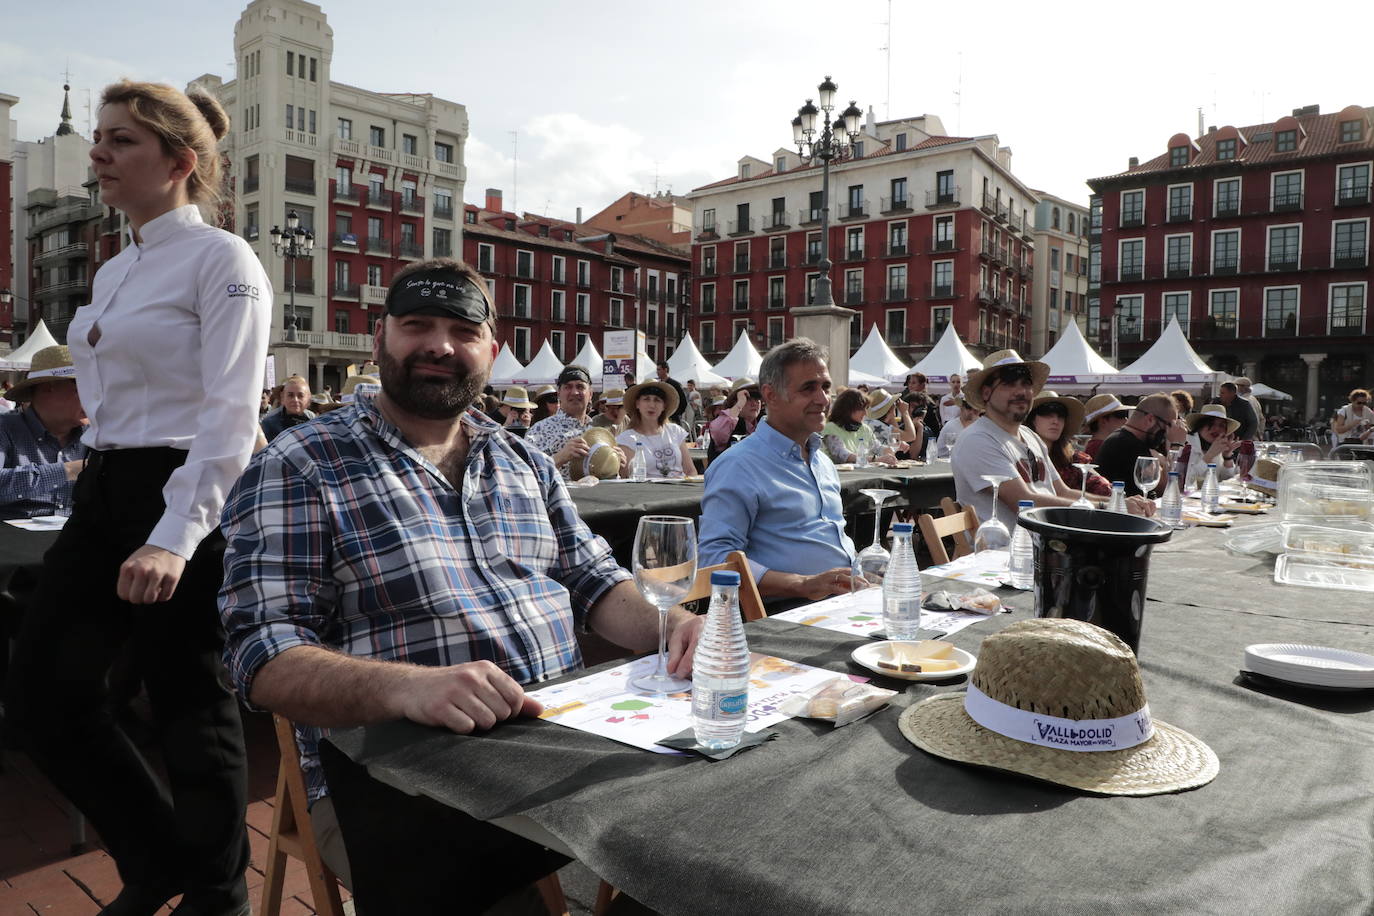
(40, 446)
(1104, 415)
(1061, 701)
(437, 565)
(1153, 423)
(516, 410)
(739, 416)
(892, 423)
(560, 436)
(1056, 420)
(998, 444)
(611, 411)
(1211, 440)
(296, 402)
(648, 407)
(545, 402)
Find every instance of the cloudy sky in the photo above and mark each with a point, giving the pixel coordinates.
(605, 96)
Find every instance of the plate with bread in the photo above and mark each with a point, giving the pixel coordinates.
(915, 660)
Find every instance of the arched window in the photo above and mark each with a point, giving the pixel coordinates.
(1054, 218)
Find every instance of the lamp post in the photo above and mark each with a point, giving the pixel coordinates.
(291, 245)
(833, 141)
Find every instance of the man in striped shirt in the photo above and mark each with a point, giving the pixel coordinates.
(404, 557)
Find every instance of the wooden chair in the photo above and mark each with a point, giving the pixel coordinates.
(963, 538)
(934, 530)
(750, 604)
(293, 835)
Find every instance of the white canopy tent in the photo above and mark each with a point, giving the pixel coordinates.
(506, 368)
(1261, 390)
(542, 370)
(875, 358)
(588, 358)
(40, 339)
(857, 377)
(742, 359)
(948, 357)
(1171, 358)
(1075, 367)
(687, 363)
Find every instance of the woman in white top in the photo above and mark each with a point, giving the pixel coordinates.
(169, 357)
(648, 406)
(1211, 440)
(1354, 422)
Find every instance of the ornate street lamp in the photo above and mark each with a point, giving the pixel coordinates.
(293, 244)
(832, 139)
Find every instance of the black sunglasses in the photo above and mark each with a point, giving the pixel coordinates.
(1013, 374)
(754, 396)
(1120, 414)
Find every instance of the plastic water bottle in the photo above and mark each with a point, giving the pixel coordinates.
(1021, 567)
(1118, 501)
(902, 587)
(1171, 506)
(860, 454)
(720, 670)
(639, 465)
(1211, 491)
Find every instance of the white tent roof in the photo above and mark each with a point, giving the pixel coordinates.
(859, 377)
(947, 357)
(688, 363)
(542, 370)
(875, 357)
(1171, 355)
(1261, 390)
(742, 359)
(40, 339)
(506, 368)
(1073, 356)
(588, 358)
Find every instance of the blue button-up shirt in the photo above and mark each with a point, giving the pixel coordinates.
(341, 534)
(31, 466)
(784, 511)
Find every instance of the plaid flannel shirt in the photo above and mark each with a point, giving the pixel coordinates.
(31, 466)
(341, 535)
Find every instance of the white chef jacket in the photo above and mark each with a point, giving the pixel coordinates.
(183, 319)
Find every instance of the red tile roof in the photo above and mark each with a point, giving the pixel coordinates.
(623, 242)
(885, 150)
(1320, 136)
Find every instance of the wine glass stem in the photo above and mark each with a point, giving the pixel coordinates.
(662, 669)
(877, 518)
(994, 500)
(1083, 486)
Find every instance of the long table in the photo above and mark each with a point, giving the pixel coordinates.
(859, 820)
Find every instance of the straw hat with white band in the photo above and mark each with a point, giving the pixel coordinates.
(1264, 476)
(48, 364)
(1101, 404)
(879, 403)
(1061, 700)
(1211, 412)
(603, 456)
(517, 397)
(614, 397)
(973, 390)
(357, 386)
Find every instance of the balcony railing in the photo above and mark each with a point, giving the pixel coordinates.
(344, 290)
(777, 302)
(854, 297)
(707, 232)
(941, 291)
(813, 257)
(443, 249)
(1229, 326)
(741, 305)
(1132, 220)
(741, 226)
(300, 185)
(1287, 202)
(1282, 261)
(896, 204)
(1180, 213)
(1344, 257)
(74, 250)
(1131, 272)
(892, 250)
(1352, 196)
(741, 264)
(251, 184)
(378, 244)
(934, 244)
(854, 210)
(992, 252)
(1178, 269)
(412, 203)
(523, 271)
(896, 293)
(989, 204)
(777, 221)
(896, 337)
(349, 192)
(777, 260)
(854, 254)
(936, 199)
(809, 215)
(443, 211)
(1226, 207)
(380, 200)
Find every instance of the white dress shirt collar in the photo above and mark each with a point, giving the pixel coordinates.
(166, 225)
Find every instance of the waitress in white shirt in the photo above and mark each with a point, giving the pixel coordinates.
(169, 357)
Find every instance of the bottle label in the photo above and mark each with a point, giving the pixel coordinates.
(733, 704)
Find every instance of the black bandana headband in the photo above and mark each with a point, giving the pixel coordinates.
(442, 292)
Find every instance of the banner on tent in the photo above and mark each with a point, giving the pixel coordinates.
(619, 349)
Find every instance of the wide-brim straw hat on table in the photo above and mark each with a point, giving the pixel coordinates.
(1264, 476)
(1100, 404)
(517, 397)
(1211, 412)
(603, 458)
(49, 364)
(879, 403)
(1061, 700)
(973, 390)
(1072, 406)
(662, 389)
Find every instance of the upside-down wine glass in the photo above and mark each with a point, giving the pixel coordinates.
(1147, 474)
(1082, 502)
(874, 558)
(665, 566)
(992, 534)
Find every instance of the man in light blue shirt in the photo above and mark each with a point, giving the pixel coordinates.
(775, 495)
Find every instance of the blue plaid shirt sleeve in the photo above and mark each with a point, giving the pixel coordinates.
(586, 567)
(32, 467)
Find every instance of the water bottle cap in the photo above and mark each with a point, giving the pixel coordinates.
(1173, 473)
(1025, 503)
(1211, 464)
(901, 528)
(1118, 484)
(724, 577)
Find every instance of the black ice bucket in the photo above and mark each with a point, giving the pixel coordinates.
(1092, 565)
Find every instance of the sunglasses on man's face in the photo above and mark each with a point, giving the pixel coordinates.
(1013, 375)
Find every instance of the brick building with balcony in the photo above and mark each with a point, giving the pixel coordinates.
(1060, 292)
(926, 230)
(1257, 240)
(566, 283)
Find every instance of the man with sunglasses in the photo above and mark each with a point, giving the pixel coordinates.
(999, 444)
(1147, 432)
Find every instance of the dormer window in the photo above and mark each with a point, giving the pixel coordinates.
(1285, 141)
(1352, 131)
(780, 164)
(743, 170)
(1178, 157)
(858, 149)
(1226, 149)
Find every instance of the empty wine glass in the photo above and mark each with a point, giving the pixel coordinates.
(665, 565)
(1147, 474)
(874, 558)
(992, 534)
(1082, 502)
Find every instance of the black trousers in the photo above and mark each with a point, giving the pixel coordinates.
(190, 829)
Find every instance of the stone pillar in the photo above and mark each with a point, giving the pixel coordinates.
(319, 378)
(827, 325)
(292, 359)
(1314, 361)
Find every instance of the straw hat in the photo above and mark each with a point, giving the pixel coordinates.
(516, 396)
(1066, 689)
(49, 364)
(973, 390)
(1211, 412)
(743, 381)
(614, 397)
(1264, 476)
(662, 389)
(1074, 407)
(603, 458)
(545, 392)
(1243, 382)
(1100, 404)
(879, 403)
(357, 386)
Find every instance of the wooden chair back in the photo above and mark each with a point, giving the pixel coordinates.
(963, 538)
(292, 835)
(750, 604)
(935, 530)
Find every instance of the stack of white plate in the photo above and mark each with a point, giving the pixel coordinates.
(1314, 666)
